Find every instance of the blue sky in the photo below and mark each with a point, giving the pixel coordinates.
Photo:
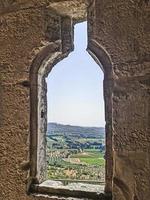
(75, 87)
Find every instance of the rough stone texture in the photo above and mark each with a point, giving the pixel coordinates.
(15, 55)
(41, 66)
(78, 190)
(75, 9)
(71, 8)
(29, 27)
(121, 27)
(26, 27)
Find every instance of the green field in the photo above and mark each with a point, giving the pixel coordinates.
(85, 165)
(93, 161)
(75, 153)
(90, 157)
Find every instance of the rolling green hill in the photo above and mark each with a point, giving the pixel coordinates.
(75, 152)
(85, 132)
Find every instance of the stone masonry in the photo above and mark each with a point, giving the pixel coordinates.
(34, 36)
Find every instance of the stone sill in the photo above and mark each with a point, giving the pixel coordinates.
(72, 191)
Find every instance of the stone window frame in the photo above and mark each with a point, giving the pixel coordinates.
(46, 59)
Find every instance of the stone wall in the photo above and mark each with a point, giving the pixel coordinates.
(28, 27)
(121, 27)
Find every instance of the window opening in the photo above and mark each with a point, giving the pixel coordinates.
(75, 130)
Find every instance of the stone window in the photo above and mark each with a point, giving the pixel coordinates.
(41, 67)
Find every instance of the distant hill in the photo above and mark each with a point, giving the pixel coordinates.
(94, 132)
(75, 148)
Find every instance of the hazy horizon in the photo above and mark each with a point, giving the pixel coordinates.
(76, 125)
(75, 87)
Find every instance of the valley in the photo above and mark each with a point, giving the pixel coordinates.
(75, 153)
